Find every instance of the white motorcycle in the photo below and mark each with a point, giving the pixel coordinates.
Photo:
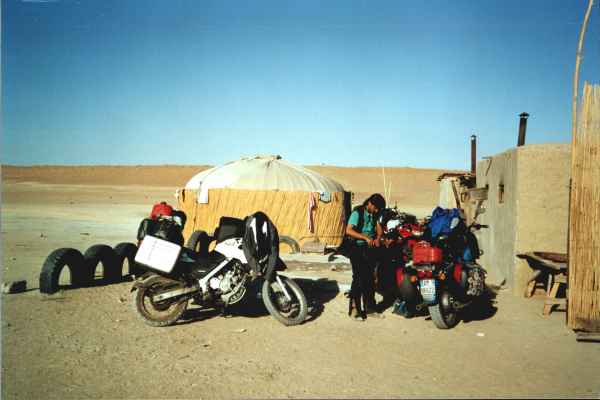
(245, 250)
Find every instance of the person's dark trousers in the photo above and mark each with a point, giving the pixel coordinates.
(362, 290)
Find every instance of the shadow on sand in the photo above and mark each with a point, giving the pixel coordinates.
(483, 307)
(317, 294)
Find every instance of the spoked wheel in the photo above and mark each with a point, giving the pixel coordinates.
(158, 313)
(442, 313)
(290, 310)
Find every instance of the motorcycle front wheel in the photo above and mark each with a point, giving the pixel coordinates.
(290, 310)
(442, 314)
(158, 313)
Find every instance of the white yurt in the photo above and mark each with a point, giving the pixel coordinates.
(303, 205)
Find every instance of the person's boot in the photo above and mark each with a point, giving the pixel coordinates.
(357, 312)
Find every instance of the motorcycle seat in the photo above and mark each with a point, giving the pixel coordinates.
(213, 259)
(202, 264)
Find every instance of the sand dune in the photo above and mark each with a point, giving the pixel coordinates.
(410, 187)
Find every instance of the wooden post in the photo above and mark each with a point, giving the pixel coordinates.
(576, 74)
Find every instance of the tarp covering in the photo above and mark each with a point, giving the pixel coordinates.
(261, 173)
(447, 196)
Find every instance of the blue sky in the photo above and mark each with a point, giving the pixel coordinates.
(369, 83)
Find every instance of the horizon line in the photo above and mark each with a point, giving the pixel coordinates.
(209, 166)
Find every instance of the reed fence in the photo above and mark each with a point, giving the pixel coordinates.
(584, 225)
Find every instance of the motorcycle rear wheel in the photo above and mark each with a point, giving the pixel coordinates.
(442, 314)
(280, 307)
(162, 313)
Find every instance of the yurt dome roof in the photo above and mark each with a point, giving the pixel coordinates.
(263, 173)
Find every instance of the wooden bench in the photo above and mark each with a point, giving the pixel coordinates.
(554, 265)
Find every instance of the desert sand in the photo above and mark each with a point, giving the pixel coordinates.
(89, 343)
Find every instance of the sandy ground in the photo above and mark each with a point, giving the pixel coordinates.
(88, 342)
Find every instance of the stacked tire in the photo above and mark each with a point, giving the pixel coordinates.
(199, 242)
(82, 267)
(102, 253)
(54, 264)
(127, 251)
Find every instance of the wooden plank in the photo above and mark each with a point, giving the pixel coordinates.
(313, 247)
(556, 301)
(560, 278)
(588, 336)
(476, 194)
(456, 198)
(542, 261)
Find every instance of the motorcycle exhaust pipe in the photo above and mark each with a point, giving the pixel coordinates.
(174, 293)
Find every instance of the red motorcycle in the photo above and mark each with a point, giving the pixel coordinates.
(442, 274)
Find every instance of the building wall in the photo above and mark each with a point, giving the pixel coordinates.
(534, 211)
(498, 240)
(543, 203)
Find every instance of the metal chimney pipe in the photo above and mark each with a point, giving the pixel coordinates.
(522, 128)
(473, 154)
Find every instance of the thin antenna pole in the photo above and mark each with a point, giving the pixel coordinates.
(384, 184)
(576, 75)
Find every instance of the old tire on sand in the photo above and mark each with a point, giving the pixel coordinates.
(127, 251)
(54, 264)
(199, 242)
(102, 253)
(290, 242)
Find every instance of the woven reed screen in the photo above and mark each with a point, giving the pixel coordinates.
(584, 226)
(287, 210)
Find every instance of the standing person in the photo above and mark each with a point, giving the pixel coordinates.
(362, 230)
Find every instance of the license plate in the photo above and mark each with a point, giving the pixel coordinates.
(427, 287)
